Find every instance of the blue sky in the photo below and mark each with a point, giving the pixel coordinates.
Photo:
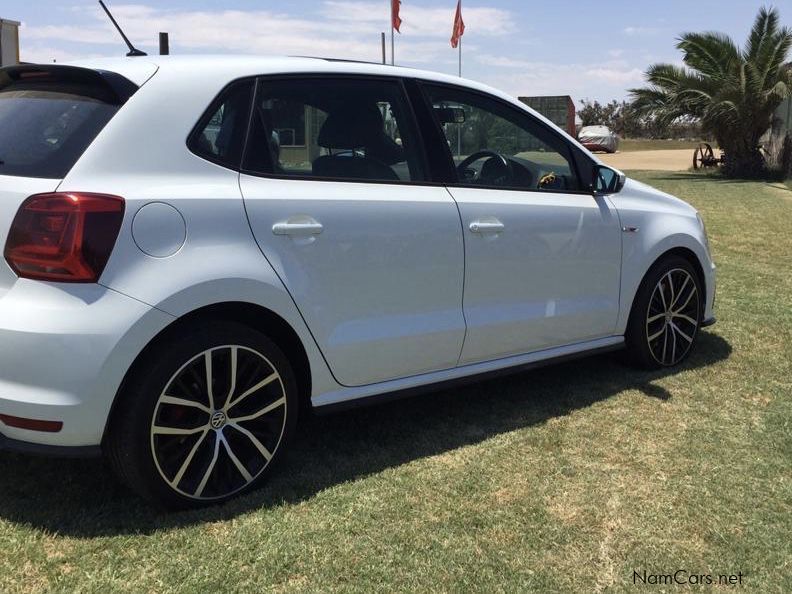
(592, 50)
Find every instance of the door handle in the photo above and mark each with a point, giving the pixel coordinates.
(303, 227)
(489, 225)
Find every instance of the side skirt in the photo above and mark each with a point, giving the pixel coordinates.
(340, 401)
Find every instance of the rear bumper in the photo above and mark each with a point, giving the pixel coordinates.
(64, 351)
(49, 451)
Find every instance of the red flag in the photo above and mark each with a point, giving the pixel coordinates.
(395, 19)
(459, 26)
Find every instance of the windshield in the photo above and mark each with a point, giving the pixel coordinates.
(44, 129)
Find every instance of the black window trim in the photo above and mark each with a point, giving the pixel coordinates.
(576, 158)
(411, 113)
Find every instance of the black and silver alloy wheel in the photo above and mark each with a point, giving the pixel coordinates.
(666, 314)
(672, 318)
(218, 422)
(204, 415)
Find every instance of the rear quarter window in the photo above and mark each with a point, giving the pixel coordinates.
(46, 126)
(219, 135)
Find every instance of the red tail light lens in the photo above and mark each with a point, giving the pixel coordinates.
(64, 237)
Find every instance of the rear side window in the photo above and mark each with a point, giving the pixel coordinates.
(220, 134)
(334, 128)
(46, 126)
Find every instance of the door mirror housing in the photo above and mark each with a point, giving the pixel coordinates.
(606, 180)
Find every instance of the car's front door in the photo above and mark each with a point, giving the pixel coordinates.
(542, 255)
(335, 186)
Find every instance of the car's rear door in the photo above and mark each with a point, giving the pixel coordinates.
(342, 204)
(542, 255)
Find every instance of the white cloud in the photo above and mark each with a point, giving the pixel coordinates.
(525, 77)
(633, 75)
(639, 31)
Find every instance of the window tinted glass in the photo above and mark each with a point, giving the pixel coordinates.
(496, 145)
(333, 129)
(45, 128)
(220, 135)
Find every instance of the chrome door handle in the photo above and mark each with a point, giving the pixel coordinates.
(487, 226)
(305, 226)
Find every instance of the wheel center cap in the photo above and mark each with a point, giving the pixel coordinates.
(218, 419)
(668, 317)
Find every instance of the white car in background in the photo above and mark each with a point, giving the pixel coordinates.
(197, 249)
(599, 139)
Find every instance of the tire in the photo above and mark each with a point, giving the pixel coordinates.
(666, 315)
(181, 445)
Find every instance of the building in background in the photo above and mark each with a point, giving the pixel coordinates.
(558, 109)
(9, 42)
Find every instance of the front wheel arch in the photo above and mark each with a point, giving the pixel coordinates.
(681, 252)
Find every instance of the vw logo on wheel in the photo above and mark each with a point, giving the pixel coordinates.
(218, 419)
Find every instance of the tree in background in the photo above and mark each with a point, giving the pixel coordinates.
(629, 122)
(594, 113)
(733, 92)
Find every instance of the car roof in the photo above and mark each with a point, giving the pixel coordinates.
(139, 69)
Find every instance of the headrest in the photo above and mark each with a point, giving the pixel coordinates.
(350, 127)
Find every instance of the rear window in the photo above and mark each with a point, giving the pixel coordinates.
(46, 126)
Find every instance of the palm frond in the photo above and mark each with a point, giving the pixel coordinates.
(712, 54)
(765, 25)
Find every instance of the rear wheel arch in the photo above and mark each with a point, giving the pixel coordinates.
(248, 314)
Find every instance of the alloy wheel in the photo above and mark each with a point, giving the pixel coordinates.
(218, 422)
(672, 318)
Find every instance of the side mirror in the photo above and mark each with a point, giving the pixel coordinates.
(606, 180)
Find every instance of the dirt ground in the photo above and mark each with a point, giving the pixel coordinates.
(663, 160)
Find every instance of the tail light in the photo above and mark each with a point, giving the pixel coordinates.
(64, 237)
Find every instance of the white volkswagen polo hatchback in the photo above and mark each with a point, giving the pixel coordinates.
(197, 248)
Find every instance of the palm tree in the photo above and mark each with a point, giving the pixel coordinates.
(733, 92)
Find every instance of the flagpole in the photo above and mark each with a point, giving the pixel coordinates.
(460, 44)
(393, 45)
(459, 126)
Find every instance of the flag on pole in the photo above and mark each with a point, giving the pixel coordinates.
(459, 26)
(395, 18)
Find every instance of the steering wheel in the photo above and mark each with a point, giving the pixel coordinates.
(508, 175)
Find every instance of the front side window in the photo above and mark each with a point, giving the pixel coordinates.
(340, 129)
(495, 145)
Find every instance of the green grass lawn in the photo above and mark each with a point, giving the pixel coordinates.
(564, 479)
(627, 145)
